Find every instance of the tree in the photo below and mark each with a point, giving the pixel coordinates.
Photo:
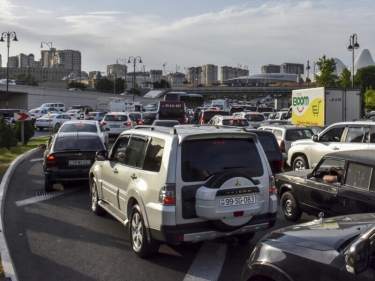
(29, 131)
(365, 78)
(7, 137)
(76, 84)
(369, 100)
(104, 85)
(344, 80)
(326, 77)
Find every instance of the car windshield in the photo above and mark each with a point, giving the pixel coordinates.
(254, 117)
(78, 127)
(84, 143)
(201, 159)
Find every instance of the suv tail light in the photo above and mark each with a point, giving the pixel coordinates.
(128, 123)
(272, 185)
(103, 123)
(282, 146)
(202, 120)
(281, 165)
(167, 194)
(51, 161)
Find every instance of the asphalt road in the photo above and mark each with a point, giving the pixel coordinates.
(57, 237)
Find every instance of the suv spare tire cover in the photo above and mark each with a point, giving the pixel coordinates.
(228, 185)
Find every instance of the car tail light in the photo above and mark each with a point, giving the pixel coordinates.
(51, 161)
(282, 146)
(140, 122)
(103, 123)
(202, 121)
(281, 165)
(49, 120)
(238, 213)
(167, 194)
(272, 185)
(128, 123)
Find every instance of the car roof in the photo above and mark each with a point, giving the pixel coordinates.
(365, 156)
(80, 121)
(73, 134)
(117, 113)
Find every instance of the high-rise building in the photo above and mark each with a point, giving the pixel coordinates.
(194, 75)
(119, 70)
(209, 74)
(156, 75)
(270, 68)
(67, 59)
(13, 61)
(292, 68)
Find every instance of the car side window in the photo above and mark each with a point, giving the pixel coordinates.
(118, 151)
(358, 175)
(154, 155)
(333, 135)
(135, 152)
(357, 134)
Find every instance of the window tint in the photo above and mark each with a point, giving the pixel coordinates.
(333, 135)
(118, 151)
(154, 155)
(79, 127)
(200, 159)
(116, 117)
(358, 175)
(297, 134)
(84, 143)
(135, 152)
(267, 143)
(357, 134)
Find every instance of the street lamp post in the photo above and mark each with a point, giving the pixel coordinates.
(49, 44)
(308, 69)
(8, 35)
(134, 60)
(351, 48)
(124, 62)
(247, 74)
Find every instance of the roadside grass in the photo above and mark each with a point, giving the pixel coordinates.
(7, 156)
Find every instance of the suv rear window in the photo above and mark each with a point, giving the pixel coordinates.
(202, 158)
(254, 117)
(297, 134)
(116, 118)
(80, 143)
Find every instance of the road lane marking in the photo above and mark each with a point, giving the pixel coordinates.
(37, 199)
(208, 262)
(36, 159)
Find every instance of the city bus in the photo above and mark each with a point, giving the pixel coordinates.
(191, 100)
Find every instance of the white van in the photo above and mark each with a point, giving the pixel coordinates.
(221, 104)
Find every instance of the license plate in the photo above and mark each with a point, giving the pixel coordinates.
(114, 126)
(233, 201)
(79, 162)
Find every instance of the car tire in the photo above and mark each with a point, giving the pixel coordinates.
(138, 235)
(48, 185)
(289, 207)
(300, 163)
(95, 207)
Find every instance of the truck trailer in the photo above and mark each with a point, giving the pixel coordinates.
(324, 106)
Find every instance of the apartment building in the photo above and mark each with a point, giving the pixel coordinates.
(194, 75)
(270, 68)
(156, 75)
(292, 68)
(119, 70)
(209, 74)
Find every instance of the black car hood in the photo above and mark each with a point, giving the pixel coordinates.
(325, 234)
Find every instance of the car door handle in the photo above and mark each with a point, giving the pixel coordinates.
(335, 148)
(133, 176)
(115, 171)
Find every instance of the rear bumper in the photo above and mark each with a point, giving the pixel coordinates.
(196, 232)
(70, 175)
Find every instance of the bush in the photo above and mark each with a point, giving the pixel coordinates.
(29, 131)
(7, 136)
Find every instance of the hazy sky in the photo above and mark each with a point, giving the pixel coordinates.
(191, 33)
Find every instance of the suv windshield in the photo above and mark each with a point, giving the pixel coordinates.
(202, 158)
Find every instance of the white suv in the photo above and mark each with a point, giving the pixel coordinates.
(353, 135)
(58, 105)
(185, 184)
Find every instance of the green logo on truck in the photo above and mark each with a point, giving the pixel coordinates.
(300, 101)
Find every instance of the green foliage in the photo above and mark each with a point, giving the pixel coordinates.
(365, 78)
(134, 91)
(104, 85)
(76, 84)
(29, 131)
(326, 77)
(7, 136)
(369, 99)
(29, 79)
(344, 80)
(161, 85)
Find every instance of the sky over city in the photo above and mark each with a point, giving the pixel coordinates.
(191, 33)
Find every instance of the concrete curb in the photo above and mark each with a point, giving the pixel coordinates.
(6, 259)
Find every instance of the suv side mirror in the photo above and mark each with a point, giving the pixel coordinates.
(315, 138)
(101, 155)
